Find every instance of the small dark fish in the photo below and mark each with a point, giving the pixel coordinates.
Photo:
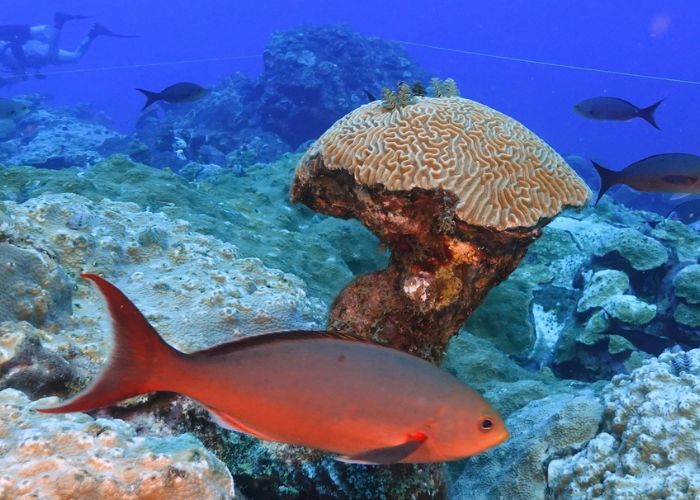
(179, 92)
(370, 96)
(12, 110)
(613, 108)
(687, 212)
(418, 89)
(664, 173)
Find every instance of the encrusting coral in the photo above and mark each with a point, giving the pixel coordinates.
(455, 189)
(76, 456)
(648, 447)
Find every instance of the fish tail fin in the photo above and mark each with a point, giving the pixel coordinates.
(608, 178)
(139, 363)
(648, 114)
(151, 97)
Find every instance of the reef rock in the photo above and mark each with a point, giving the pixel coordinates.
(595, 288)
(28, 365)
(313, 75)
(252, 212)
(34, 286)
(76, 456)
(540, 432)
(57, 138)
(196, 289)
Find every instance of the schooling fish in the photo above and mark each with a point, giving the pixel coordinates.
(613, 108)
(179, 92)
(364, 402)
(664, 173)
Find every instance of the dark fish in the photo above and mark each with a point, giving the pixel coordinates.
(364, 402)
(179, 92)
(687, 212)
(418, 89)
(664, 173)
(370, 96)
(12, 110)
(613, 108)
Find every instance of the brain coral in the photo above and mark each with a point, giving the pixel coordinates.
(502, 175)
(75, 456)
(649, 444)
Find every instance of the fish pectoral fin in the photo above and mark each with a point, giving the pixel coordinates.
(387, 455)
(228, 422)
(682, 180)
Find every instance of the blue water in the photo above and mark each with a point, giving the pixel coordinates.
(644, 37)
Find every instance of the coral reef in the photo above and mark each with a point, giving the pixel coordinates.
(76, 456)
(57, 138)
(30, 366)
(34, 287)
(540, 432)
(148, 254)
(314, 75)
(197, 291)
(594, 289)
(648, 444)
(457, 215)
(253, 212)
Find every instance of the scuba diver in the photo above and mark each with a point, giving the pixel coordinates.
(24, 47)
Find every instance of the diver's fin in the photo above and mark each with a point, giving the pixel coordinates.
(648, 114)
(151, 97)
(61, 18)
(138, 360)
(228, 422)
(608, 178)
(99, 30)
(388, 455)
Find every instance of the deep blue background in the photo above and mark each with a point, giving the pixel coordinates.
(644, 36)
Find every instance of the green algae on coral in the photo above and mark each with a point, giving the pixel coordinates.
(642, 252)
(602, 286)
(687, 284)
(688, 315)
(631, 310)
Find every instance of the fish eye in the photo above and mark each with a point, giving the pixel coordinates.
(486, 424)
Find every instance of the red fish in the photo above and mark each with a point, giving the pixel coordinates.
(364, 402)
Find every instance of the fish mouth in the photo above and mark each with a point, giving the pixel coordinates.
(501, 437)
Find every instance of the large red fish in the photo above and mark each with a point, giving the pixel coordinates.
(364, 402)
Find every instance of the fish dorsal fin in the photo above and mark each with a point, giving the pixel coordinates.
(389, 454)
(267, 338)
(228, 422)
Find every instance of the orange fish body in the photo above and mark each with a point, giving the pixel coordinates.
(361, 401)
